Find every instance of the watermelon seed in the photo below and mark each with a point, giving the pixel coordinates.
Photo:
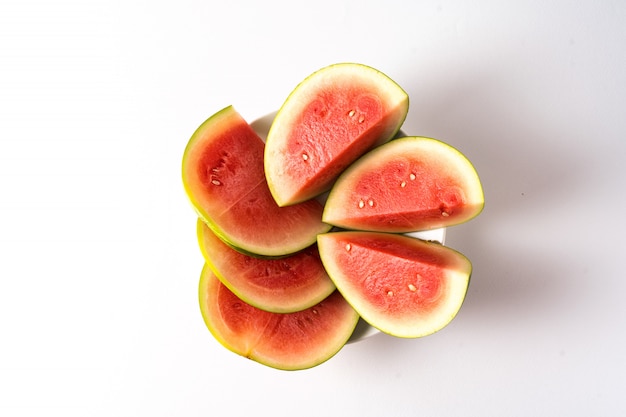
(216, 182)
(351, 113)
(348, 247)
(371, 203)
(403, 184)
(361, 204)
(390, 293)
(314, 311)
(445, 214)
(305, 156)
(412, 176)
(361, 119)
(412, 287)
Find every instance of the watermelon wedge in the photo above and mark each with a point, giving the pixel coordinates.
(407, 185)
(222, 172)
(403, 286)
(290, 341)
(330, 119)
(283, 285)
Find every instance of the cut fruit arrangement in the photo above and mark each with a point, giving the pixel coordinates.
(305, 234)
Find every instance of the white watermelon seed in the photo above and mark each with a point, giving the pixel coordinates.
(371, 203)
(361, 204)
(305, 156)
(351, 113)
(348, 247)
(412, 176)
(216, 182)
(412, 287)
(361, 119)
(403, 184)
(390, 293)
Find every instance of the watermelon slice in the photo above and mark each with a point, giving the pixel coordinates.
(290, 341)
(409, 184)
(284, 285)
(403, 286)
(223, 176)
(330, 119)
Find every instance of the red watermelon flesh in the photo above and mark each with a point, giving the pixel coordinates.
(329, 120)
(289, 341)
(224, 179)
(409, 184)
(283, 285)
(400, 285)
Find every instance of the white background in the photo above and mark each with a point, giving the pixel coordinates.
(98, 258)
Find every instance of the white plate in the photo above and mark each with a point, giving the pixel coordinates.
(363, 330)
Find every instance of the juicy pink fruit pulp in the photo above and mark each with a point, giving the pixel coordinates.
(393, 278)
(234, 166)
(426, 199)
(333, 131)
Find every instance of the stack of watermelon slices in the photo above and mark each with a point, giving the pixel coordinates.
(306, 233)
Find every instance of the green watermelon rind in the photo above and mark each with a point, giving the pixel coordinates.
(196, 136)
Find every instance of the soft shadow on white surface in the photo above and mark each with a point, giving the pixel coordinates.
(532, 174)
